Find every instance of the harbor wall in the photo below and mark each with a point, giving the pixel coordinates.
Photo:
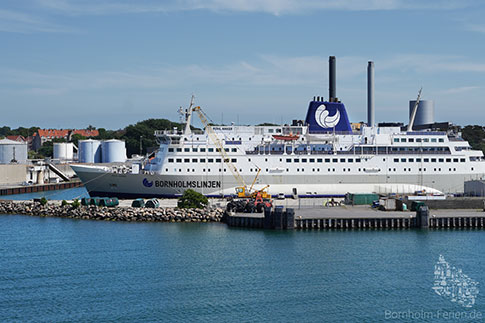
(38, 188)
(17, 174)
(12, 174)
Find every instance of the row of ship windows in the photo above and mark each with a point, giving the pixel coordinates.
(427, 160)
(321, 160)
(419, 140)
(289, 149)
(188, 170)
(202, 150)
(288, 160)
(202, 160)
(424, 169)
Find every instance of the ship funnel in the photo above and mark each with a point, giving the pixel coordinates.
(332, 92)
(370, 95)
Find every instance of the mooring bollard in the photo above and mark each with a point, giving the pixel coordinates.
(422, 217)
(289, 223)
(278, 218)
(268, 218)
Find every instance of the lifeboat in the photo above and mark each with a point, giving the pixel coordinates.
(286, 137)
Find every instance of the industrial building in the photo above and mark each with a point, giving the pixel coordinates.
(424, 114)
(89, 151)
(13, 152)
(44, 135)
(113, 151)
(105, 151)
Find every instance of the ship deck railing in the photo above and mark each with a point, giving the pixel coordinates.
(426, 133)
(455, 139)
(349, 153)
(177, 132)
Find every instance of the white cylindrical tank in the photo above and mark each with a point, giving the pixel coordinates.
(113, 151)
(89, 151)
(63, 150)
(13, 151)
(425, 113)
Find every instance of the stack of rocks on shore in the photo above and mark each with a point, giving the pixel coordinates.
(113, 214)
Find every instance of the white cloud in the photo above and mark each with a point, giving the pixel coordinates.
(275, 7)
(476, 28)
(270, 81)
(430, 63)
(269, 70)
(462, 89)
(13, 21)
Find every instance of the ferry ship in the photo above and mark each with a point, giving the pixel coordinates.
(321, 156)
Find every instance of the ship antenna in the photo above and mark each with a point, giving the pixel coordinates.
(181, 115)
(188, 116)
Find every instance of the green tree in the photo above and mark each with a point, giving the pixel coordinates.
(475, 135)
(192, 199)
(5, 131)
(146, 131)
(47, 150)
(75, 203)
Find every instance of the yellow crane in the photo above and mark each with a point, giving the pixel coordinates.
(242, 190)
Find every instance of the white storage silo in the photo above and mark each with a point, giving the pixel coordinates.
(425, 113)
(64, 150)
(13, 151)
(113, 151)
(89, 151)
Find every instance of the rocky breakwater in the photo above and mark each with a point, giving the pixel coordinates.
(128, 214)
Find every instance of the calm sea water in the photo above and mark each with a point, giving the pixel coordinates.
(55, 270)
(67, 194)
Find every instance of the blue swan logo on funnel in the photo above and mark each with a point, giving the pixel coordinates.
(147, 183)
(324, 120)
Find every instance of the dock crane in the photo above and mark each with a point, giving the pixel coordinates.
(242, 190)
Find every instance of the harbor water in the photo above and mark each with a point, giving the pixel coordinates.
(66, 194)
(58, 269)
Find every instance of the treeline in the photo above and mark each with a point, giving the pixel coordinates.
(144, 131)
(475, 135)
(20, 131)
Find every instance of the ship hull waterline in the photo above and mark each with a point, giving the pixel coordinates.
(100, 183)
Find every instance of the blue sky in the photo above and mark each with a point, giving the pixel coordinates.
(110, 63)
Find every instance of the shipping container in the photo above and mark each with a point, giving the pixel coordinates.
(360, 199)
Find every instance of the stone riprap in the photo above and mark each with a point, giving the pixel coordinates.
(128, 214)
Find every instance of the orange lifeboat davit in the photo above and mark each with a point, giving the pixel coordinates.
(289, 137)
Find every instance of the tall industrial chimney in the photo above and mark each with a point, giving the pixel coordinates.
(370, 94)
(332, 79)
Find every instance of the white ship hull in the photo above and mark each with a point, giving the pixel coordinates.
(98, 182)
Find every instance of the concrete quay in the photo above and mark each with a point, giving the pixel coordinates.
(358, 217)
(11, 190)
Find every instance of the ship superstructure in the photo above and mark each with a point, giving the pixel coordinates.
(321, 156)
